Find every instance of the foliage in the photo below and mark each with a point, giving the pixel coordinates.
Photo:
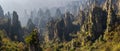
(33, 41)
(99, 31)
(8, 45)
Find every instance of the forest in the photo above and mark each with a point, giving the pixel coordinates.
(90, 26)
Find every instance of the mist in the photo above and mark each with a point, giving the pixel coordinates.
(21, 5)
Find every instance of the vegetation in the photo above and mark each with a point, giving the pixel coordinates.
(93, 29)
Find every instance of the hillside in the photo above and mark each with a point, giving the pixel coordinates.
(93, 28)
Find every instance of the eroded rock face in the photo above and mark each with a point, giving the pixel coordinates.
(111, 14)
(118, 6)
(61, 28)
(51, 28)
(99, 20)
(1, 12)
(81, 18)
(94, 22)
(68, 25)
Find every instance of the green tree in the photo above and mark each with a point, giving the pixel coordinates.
(33, 41)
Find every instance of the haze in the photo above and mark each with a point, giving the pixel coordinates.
(21, 5)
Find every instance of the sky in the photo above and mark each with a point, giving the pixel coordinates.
(18, 5)
(21, 5)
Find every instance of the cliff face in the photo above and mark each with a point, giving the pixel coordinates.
(61, 28)
(100, 23)
(99, 19)
(96, 21)
(118, 7)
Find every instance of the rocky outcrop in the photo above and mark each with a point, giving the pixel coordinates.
(61, 28)
(94, 21)
(1, 12)
(50, 29)
(99, 20)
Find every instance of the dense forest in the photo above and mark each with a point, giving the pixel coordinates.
(90, 26)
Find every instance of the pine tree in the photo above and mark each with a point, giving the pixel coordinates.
(33, 41)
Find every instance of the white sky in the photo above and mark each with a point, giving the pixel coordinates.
(18, 5)
(21, 5)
